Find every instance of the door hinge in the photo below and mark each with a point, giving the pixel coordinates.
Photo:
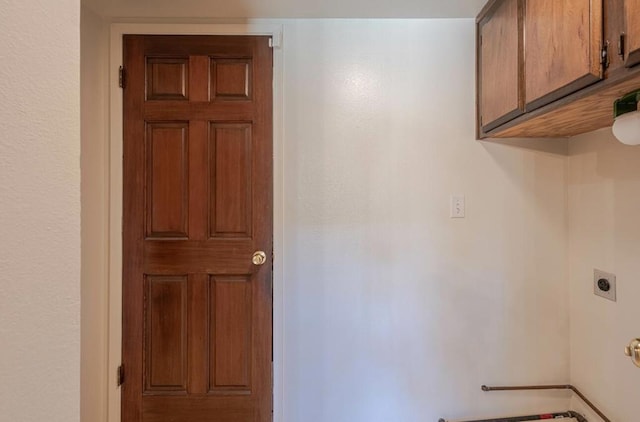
(120, 375)
(121, 77)
(604, 55)
(275, 41)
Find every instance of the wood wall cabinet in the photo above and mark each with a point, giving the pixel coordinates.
(632, 16)
(614, 34)
(500, 64)
(562, 52)
(574, 58)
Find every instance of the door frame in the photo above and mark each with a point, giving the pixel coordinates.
(115, 189)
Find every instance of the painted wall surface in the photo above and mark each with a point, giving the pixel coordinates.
(604, 233)
(94, 158)
(40, 211)
(256, 9)
(394, 311)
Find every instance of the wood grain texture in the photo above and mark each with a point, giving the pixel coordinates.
(167, 181)
(230, 166)
(199, 72)
(212, 256)
(231, 79)
(614, 27)
(585, 111)
(165, 333)
(632, 15)
(198, 111)
(563, 40)
(229, 408)
(133, 232)
(198, 185)
(198, 305)
(499, 65)
(167, 78)
(231, 309)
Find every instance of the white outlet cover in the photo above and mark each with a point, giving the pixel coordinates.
(457, 209)
(611, 278)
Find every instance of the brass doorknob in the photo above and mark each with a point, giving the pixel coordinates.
(259, 258)
(633, 351)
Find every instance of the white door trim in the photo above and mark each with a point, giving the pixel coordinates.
(115, 193)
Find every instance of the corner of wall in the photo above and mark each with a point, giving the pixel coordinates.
(94, 215)
(603, 229)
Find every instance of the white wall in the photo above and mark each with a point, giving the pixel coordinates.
(393, 311)
(40, 211)
(604, 233)
(94, 159)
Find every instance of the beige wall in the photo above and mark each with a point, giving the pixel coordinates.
(94, 161)
(40, 211)
(604, 233)
(394, 311)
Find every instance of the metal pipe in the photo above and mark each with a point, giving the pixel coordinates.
(550, 387)
(568, 414)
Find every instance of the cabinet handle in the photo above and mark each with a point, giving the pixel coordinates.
(604, 55)
(621, 46)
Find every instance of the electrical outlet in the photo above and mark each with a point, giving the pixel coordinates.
(604, 284)
(457, 206)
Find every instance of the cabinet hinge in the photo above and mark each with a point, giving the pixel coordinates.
(604, 55)
(121, 77)
(120, 375)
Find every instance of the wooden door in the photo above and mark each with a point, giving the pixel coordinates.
(499, 39)
(632, 14)
(562, 48)
(197, 326)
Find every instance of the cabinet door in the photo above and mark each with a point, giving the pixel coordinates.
(632, 12)
(562, 50)
(614, 23)
(499, 65)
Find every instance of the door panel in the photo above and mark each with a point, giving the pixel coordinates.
(230, 334)
(226, 408)
(632, 12)
(167, 78)
(230, 158)
(167, 179)
(165, 334)
(562, 49)
(500, 87)
(231, 79)
(197, 203)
